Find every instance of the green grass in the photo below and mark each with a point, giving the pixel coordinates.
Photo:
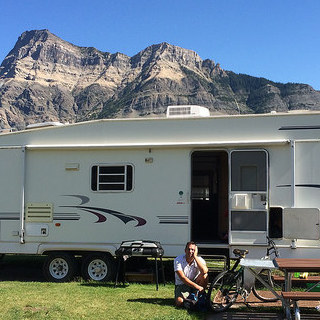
(24, 294)
(83, 300)
(29, 296)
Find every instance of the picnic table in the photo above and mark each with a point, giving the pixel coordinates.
(289, 266)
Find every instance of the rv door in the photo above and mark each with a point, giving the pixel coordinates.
(248, 200)
(11, 193)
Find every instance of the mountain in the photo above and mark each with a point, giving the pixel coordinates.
(44, 78)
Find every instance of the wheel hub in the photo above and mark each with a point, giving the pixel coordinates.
(97, 269)
(58, 268)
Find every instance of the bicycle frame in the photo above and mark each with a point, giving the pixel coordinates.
(241, 279)
(254, 271)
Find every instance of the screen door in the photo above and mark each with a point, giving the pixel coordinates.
(248, 196)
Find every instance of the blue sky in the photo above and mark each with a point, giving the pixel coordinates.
(275, 39)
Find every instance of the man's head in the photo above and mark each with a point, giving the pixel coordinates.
(190, 249)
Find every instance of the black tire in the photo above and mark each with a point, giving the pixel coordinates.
(59, 267)
(98, 267)
(224, 290)
(263, 293)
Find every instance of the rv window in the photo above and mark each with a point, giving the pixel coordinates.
(248, 220)
(249, 171)
(112, 178)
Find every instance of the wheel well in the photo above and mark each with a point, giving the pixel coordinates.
(77, 253)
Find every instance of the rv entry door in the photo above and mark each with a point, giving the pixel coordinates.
(11, 188)
(248, 200)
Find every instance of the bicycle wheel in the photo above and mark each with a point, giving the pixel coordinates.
(260, 290)
(224, 290)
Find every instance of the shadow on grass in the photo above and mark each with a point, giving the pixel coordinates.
(158, 301)
(21, 268)
(92, 283)
(104, 284)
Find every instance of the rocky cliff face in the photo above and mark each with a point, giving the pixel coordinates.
(44, 78)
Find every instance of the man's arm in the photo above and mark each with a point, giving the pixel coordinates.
(187, 281)
(202, 266)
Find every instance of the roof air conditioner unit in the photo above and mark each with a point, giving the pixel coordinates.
(187, 111)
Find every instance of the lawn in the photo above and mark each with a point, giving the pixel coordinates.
(24, 294)
(83, 300)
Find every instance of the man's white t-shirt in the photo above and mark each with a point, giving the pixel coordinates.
(191, 271)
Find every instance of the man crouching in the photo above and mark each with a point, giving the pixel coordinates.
(191, 273)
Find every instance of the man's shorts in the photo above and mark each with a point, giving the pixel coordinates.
(182, 290)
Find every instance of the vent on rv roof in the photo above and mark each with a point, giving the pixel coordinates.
(187, 111)
(39, 212)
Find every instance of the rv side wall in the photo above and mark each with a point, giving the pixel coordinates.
(156, 208)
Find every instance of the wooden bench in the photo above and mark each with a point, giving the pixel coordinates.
(310, 279)
(301, 295)
(295, 296)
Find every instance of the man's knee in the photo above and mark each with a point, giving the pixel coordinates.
(202, 279)
(204, 275)
(206, 279)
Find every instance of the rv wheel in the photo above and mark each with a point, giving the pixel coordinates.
(59, 267)
(98, 267)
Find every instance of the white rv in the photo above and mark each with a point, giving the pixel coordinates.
(223, 181)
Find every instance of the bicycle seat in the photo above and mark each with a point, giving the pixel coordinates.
(240, 253)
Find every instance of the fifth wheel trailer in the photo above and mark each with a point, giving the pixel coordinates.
(223, 181)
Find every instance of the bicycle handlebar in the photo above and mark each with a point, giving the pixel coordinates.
(272, 248)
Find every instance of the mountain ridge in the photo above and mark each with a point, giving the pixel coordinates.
(45, 78)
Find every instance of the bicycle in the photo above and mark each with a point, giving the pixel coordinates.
(268, 276)
(226, 287)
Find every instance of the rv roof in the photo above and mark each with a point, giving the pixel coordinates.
(56, 125)
(214, 131)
